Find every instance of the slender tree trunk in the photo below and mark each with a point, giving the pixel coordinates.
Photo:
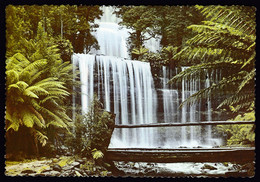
(61, 27)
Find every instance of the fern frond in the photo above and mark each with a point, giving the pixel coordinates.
(38, 90)
(28, 119)
(40, 137)
(247, 79)
(36, 65)
(12, 76)
(14, 123)
(51, 97)
(236, 99)
(29, 93)
(229, 84)
(198, 69)
(39, 116)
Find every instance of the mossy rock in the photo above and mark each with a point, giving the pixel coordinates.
(65, 161)
(43, 169)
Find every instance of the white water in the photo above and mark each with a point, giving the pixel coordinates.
(127, 89)
(113, 39)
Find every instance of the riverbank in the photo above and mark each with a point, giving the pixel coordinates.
(83, 167)
(59, 166)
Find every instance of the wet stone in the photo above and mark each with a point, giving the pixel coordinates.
(51, 173)
(55, 160)
(80, 161)
(206, 166)
(66, 168)
(75, 164)
(56, 167)
(28, 171)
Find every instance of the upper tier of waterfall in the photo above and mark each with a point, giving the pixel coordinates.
(112, 38)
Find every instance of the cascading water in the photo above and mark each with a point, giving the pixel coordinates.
(126, 88)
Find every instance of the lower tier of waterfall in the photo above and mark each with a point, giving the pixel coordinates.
(126, 88)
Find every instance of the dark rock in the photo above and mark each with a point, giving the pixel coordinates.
(206, 166)
(135, 168)
(56, 167)
(46, 170)
(28, 171)
(81, 161)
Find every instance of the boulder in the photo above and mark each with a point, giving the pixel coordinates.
(56, 167)
(51, 173)
(28, 171)
(75, 164)
(68, 167)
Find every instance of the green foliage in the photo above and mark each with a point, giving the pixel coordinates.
(167, 22)
(140, 53)
(96, 154)
(70, 26)
(240, 134)
(35, 88)
(224, 42)
(92, 131)
(171, 23)
(99, 126)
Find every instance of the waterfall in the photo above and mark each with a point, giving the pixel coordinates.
(126, 88)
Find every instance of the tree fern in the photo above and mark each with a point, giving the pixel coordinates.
(225, 41)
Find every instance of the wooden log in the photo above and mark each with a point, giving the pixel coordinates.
(183, 149)
(241, 155)
(203, 123)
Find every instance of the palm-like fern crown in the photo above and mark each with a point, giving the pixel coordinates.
(35, 82)
(224, 42)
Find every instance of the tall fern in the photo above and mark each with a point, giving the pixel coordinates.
(37, 82)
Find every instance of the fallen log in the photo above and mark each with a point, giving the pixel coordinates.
(237, 155)
(203, 123)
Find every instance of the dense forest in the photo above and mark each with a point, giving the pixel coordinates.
(40, 41)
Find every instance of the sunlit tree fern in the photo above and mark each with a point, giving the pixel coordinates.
(32, 104)
(38, 83)
(225, 41)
